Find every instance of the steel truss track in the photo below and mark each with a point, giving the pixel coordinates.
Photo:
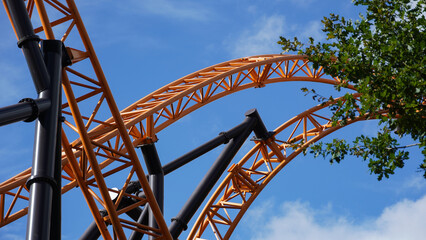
(103, 148)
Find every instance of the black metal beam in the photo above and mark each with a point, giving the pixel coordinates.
(144, 220)
(42, 183)
(26, 110)
(28, 42)
(156, 182)
(92, 232)
(56, 220)
(179, 223)
(259, 129)
(223, 138)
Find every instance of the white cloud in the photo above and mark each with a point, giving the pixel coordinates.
(252, 9)
(312, 29)
(302, 3)
(295, 220)
(416, 182)
(260, 38)
(171, 9)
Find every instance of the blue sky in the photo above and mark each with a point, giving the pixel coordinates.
(143, 45)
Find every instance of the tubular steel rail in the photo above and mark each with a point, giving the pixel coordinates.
(103, 148)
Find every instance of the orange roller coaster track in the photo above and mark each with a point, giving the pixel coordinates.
(103, 148)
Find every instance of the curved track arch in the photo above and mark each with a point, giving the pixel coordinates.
(106, 147)
(247, 178)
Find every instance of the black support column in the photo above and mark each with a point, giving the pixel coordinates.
(156, 182)
(28, 42)
(42, 184)
(179, 223)
(45, 66)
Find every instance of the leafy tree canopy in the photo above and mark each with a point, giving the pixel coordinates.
(382, 54)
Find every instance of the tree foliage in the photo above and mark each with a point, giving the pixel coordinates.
(382, 54)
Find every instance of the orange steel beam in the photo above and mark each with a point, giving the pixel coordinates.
(44, 19)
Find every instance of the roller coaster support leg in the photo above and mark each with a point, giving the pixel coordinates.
(156, 179)
(28, 42)
(223, 138)
(179, 223)
(55, 226)
(45, 65)
(92, 232)
(143, 219)
(42, 183)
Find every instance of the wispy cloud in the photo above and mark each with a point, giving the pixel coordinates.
(259, 38)
(182, 10)
(262, 36)
(416, 183)
(296, 220)
(312, 29)
(302, 3)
